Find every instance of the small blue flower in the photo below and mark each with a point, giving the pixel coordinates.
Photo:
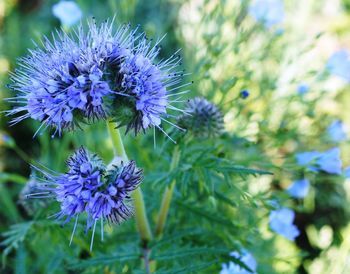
(339, 64)
(268, 12)
(303, 89)
(299, 188)
(347, 172)
(328, 161)
(281, 222)
(244, 93)
(245, 257)
(89, 187)
(68, 12)
(279, 31)
(305, 158)
(6, 140)
(336, 131)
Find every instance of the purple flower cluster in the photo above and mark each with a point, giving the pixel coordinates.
(88, 186)
(93, 75)
(143, 80)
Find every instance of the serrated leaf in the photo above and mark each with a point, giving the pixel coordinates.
(207, 215)
(14, 237)
(188, 252)
(175, 236)
(105, 260)
(187, 269)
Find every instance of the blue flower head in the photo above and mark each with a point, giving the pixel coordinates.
(144, 87)
(299, 188)
(113, 202)
(268, 12)
(339, 64)
(281, 222)
(63, 83)
(68, 12)
(202, 118)
(336, 131)
(245, 257)
(90, 188)
(31, 206)
(98, 74)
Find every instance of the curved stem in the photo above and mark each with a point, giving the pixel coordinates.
(141, 217)
(167, 196)
(117, 141)
(139, 205)
(164, 209)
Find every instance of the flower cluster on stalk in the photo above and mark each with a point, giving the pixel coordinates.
(97, 74)
(102, 193)
(202, 118)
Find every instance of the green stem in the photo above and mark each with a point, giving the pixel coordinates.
(117, 141)
(141, 217)
(167, 196)
(139, 205)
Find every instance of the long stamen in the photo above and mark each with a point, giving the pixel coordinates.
(93, 235)
(75, 226)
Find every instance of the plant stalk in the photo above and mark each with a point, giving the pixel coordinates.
(167, 196)
(142, 223)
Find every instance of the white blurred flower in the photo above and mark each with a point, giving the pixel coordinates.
(68, 12)
(269, 12)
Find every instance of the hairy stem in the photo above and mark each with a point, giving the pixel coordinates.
(117, 141)
(167, 196)
(146, 254)
(139, 205)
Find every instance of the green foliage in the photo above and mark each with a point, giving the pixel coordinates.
(14, 237)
